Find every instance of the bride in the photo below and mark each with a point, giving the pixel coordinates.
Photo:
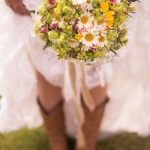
(21, 55)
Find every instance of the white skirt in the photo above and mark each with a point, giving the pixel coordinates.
(20, 53)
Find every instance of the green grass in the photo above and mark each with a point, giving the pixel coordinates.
(36, 139)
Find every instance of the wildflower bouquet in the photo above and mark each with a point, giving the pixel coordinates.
(90, 31)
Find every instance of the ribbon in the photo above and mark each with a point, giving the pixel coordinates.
(86, 98)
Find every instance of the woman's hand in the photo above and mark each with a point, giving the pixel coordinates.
(18, 7)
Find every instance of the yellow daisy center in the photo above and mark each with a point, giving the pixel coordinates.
(107, 28)
(88, 1)
(66, 20)
(73, 6)
(58, 18)
(71, 41)
(84, 19)
(100, 21)
(89, 37)
(101, 39)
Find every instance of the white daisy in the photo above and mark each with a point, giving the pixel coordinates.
(57, 20)
(73, 43)
(39, 21)
(88, 5)
(86, 20)
(101, 24)
(93, 28)
(78, 2)
(89, 39)
(85, 48)
(102, 41)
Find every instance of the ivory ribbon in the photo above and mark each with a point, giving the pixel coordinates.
(86, 98)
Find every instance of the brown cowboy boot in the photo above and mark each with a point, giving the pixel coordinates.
(91, 125)
(55, 127)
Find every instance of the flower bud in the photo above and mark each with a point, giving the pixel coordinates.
(75, 27)
(43, 30)
(51, 1)
(125, 12)
(53, 26)
(49, 7)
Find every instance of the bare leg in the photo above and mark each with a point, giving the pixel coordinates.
(49, 95)
(98, 94)
(50, 102)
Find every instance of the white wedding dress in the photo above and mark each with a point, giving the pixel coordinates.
(128, 89)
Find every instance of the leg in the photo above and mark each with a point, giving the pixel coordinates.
(93, 119)
(50, 102)
(49, 95)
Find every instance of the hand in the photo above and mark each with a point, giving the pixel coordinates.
(18, 7)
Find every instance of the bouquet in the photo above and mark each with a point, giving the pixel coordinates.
(90, 31)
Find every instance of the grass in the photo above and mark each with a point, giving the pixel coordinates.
(36, 139)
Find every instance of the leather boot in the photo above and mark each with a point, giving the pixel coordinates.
(55, 127)
(92, 125)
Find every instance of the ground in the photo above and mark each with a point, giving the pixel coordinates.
(36, 139)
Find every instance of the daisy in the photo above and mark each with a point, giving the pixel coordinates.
(89, 39)
(85, 48)
(73, 43)
(73, 7)
(88, 5)
(57, 20)
(78, 2)
(101, 24)
(39, 21)
(102, 41)
(86, 20)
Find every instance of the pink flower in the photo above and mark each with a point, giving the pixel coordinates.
(43, 30)
(53, 26)
(94, 46)
(125, 12)
(75, 27)
(60, 29)
(82, 30)
(49, 7)
(94, 50)
(76, 22)
(51, 1)
(113, 1)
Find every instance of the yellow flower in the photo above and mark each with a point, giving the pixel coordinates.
(78, 36)
(58, 5)
(104, 6)
(109, 23)
(109, 15)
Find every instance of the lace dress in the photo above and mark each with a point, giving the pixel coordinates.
(21, 54)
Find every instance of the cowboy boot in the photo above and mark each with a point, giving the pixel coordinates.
(91, 125)
(55, 127)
